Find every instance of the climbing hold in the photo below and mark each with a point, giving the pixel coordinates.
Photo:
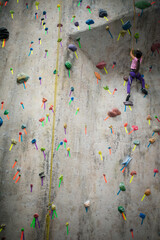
(89, 8)
(4, 35)
(6, 113)
(155, 171)
(68, 65)
(1, 121)
(149, 119)
(72, 99)
(78, 40)
(135, 128)
(102, 65)
(132, 174)
(114, 63)
(18, 170)
(31, 186)
(100, 153)
(34, 142)
(13, 142)
(22, 234)
(2, 227)
(109, 150)
(152, 140)
(142, 5)
(72, 90)
(126, 26)
(2, 105)
(97, 76)
(131, 230)
(122, 33)
(67, 224)
(76, 24)
(111, 129)
(146, 193)
(125, 163)
(53, 211)
(35, 220)
(89, 22)
(44, 13)
(142, 215)
(77, 111)
(87, 204)
(73, 48)
(37, 4)
(115, 90)
(60, 26)
(115, 112)
(125, 126)
(65, 127)
(43, 149)
(51, 108)
(136, 36)
(136, 143)
(36, 15)
(121, 210)
(24, 128)
(41, 176)
(68, 152)
(61, 143)
(14, 163)
(46, 53)
(73, 17)
(58, 6)
(11, 12)
(107, 88)
(65, 141)
(46, 30)
(47, 117)
(60, 180)
(22, 77)
(121, 187)
(44, 100)
(27, 5)
(107, 28)
(103, 14)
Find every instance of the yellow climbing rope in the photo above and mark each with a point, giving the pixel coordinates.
(53, 130)
(134, 24)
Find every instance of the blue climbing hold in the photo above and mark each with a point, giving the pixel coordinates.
(1, 121)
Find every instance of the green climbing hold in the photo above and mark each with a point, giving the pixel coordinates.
(106, 88)
(59, 40)
(136, 36)
(55, 71)
(6, 112)
(122, 186)
(68, 65)
(121, 209)
(42, 149)
(142, 4)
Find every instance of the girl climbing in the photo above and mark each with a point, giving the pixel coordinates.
(134, 73)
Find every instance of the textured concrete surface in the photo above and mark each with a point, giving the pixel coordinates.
(83, 171)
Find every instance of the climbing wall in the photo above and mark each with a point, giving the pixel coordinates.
(72, 164)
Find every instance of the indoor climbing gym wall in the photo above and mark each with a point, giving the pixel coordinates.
(80, 120)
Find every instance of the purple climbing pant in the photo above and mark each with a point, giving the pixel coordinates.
(130, 79)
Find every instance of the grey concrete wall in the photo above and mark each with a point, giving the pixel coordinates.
(83, 171)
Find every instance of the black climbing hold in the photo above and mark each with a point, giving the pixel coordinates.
(102, 13)
(4, 34)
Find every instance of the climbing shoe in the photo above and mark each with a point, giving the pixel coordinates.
(144, 91)
(128, 96)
